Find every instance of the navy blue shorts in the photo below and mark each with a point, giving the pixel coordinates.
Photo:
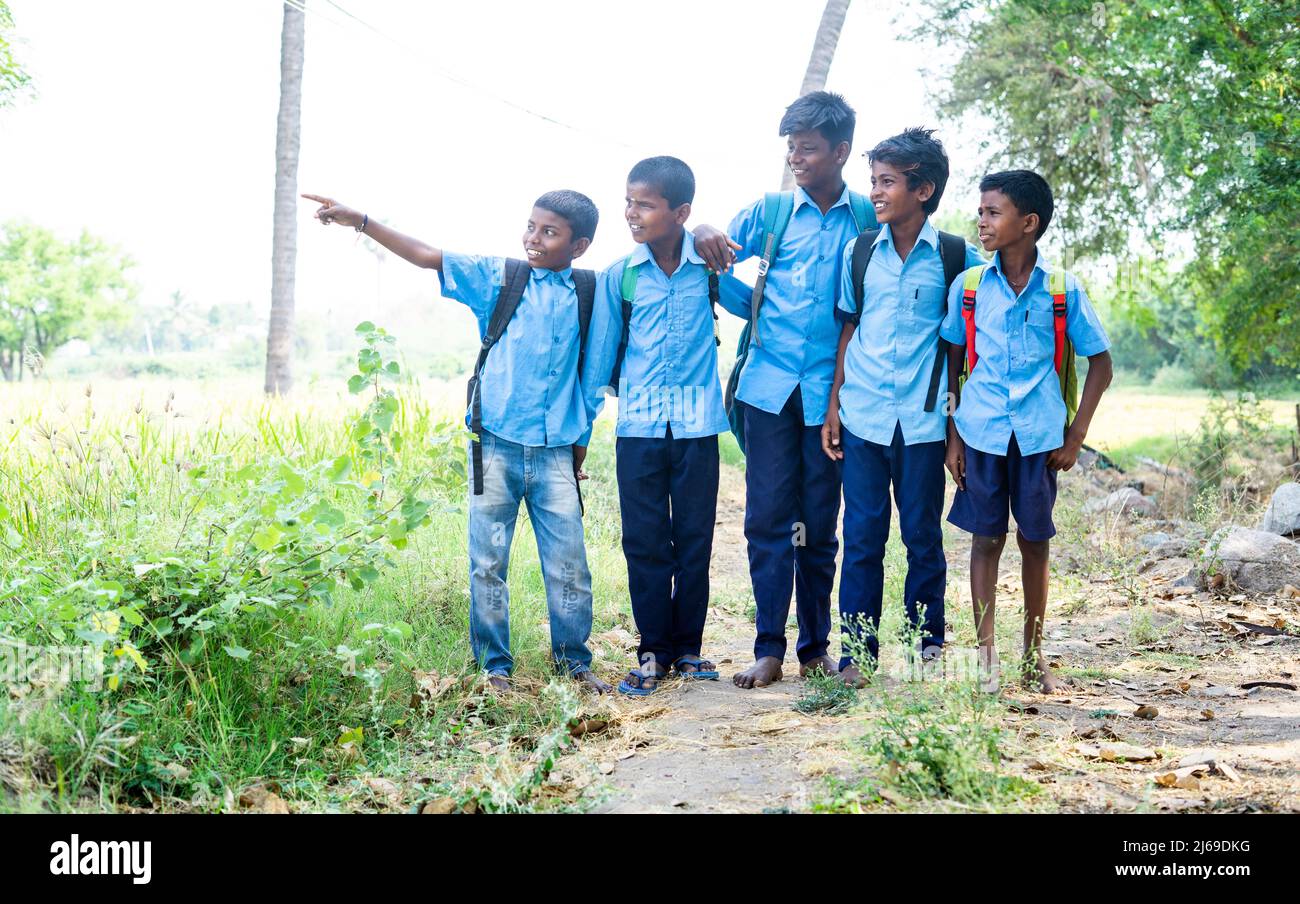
(995, 483)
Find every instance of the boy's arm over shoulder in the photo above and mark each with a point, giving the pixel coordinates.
(735, 296)
(1082, 324)
(746, 230)
(473, 280)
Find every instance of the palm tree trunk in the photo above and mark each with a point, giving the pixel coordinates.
(819, 64)
(284, 242)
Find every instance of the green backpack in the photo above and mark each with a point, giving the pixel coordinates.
(778, 207)
(1064, 354)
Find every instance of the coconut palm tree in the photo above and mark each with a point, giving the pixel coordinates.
(819, 64)
(284, 241)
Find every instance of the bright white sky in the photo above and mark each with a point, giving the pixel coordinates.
(154, 123)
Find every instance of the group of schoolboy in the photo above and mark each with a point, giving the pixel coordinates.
(866, 329)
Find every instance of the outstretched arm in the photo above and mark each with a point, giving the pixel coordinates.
(405, 247)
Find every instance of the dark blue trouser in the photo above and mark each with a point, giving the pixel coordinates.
(792, 506)
(668, 495)
(917, 472)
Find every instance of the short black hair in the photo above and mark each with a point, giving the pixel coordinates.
(1025, 189)
(823, 112)
(919, 154)
(575, 207)
(668, 176)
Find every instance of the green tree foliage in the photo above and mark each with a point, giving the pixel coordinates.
(52, 291)
(12, 77)
(1152, 115)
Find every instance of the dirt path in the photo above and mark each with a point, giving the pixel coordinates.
(1121, 641)
(711, 747)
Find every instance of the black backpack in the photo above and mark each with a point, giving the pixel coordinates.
(514, 281)
(952, 254)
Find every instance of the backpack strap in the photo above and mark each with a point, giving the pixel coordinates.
(952, 256)
(514, 279)
(1056, 286)
(864, 212)
(778, 206)
(970, 286)
(627, 289)
(584, 284)
(863, 249)
(713, 307)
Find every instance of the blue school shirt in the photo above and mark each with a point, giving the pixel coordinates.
(1014, 387)
(530, 391)
(888, 362)
(796, 326)
(670, 372)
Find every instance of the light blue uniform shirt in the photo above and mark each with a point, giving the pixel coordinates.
(1014, 387)
(889, 360)
(531, 394)
(796, 326)
(670, 372)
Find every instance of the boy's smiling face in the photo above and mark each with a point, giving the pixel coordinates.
(893, 200)
(648, 215)
(813, 161)
(548, 241)
(1001, 224)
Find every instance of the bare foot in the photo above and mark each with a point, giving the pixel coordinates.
(1039, 677)
(852, 676)
(588, 681)
(762, 673)
(990, 671)
(824, 664)
(499, 683)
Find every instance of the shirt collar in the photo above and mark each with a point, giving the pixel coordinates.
(641, 253)
(801, 197)
(1041, 264)
(564, 276)
(927, 234)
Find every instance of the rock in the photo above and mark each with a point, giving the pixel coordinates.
(1283, 513)
(1125, 500)
(439, 807)
(1241, 544)
(1254, 560)
(1154, 540)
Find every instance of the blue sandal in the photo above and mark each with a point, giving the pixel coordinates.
(640, 689)
(698, 672)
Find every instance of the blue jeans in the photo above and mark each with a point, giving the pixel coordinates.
(792, 506)
(917, 473)
(668, 496)
(543, 478)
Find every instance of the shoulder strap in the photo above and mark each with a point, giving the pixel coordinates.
(952, 253)
(627, 286)
(970, 286)
(1056, 286)
(863, 249)
(777, 210)
(713, 306)
(584, 284)
(864, 214)
(514, 279)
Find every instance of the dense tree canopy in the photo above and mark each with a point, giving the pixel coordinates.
(1148, 116)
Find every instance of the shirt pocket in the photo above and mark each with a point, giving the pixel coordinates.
(1040, 340)
(928, 305)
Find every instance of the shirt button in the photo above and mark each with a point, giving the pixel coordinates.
(821, 257)
(553, 373)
